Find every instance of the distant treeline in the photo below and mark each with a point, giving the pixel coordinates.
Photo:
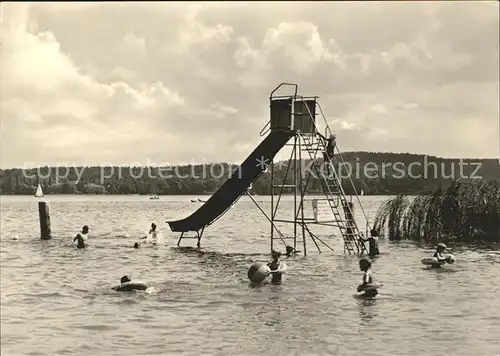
(374, 173)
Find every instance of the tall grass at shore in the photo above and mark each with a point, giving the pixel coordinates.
(466, 211)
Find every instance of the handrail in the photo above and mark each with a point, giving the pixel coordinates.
(283, 84)
(264, 131)
(355, 191)
(328, 132)
(327, 129)
(341, 191)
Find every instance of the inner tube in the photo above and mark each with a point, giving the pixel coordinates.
(432, 261)
(373, 286)
(131, 286)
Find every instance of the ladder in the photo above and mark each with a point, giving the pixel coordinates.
(334, 193)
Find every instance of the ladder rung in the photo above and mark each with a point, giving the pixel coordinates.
(338, 221)
(284, 186)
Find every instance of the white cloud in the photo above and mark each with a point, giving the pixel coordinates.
(46, 100)
(134, 43)
(179, 82)
(379, 109)
(298, 44)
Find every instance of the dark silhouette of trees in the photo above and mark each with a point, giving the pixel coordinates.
(389, 177)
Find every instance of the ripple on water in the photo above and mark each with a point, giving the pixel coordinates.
(58, 300)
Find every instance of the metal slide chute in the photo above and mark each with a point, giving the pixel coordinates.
(235, 186)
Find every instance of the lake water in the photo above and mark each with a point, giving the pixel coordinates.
(58, 300)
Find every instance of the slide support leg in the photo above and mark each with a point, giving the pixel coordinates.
(180, 238)
(200, 234)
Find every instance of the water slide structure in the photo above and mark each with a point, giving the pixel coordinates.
(291, 117)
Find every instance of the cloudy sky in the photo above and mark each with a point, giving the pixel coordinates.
(131, 83)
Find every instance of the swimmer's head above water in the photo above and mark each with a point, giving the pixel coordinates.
(125, 279)
(136, 245)
(275, 255)
(441, 247)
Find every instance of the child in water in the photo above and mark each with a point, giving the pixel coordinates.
(81, 238)
(274, 265)
(439, 254)
(372, 243)
(365, 265)
(152, 232)
(290, 251)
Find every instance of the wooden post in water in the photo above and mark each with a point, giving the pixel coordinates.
(44, 214)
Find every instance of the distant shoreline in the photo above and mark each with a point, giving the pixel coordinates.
(382, 174)
(177, 195)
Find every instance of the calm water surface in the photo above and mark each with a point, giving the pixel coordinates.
(57, 300)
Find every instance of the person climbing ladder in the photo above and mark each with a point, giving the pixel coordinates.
(330, 150)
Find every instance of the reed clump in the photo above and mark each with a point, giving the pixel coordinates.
(465, 211)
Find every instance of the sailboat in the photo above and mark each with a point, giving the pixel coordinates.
(39, 192)
(362, 192)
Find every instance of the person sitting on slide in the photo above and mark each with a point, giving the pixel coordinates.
(274, 265)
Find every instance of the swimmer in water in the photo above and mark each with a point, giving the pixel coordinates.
(290, 251)
(440, 249)
(126, 286)
(151, 232)
(136, 245)
(372, 243)
(81, 238)
(274, 265)
(365, 265)
(123, 280)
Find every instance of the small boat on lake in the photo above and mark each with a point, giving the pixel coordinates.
(39, 192)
